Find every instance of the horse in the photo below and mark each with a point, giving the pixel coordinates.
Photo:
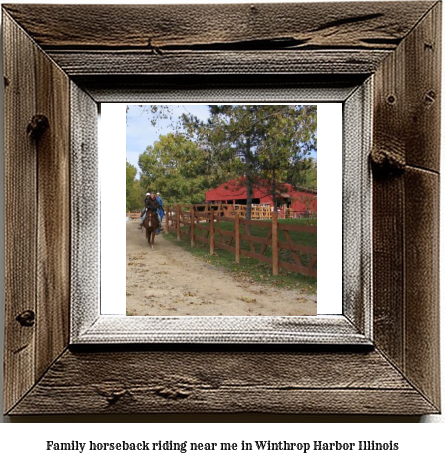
(151, 224)
(142, 226)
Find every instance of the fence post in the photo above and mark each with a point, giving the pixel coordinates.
(178, 222)
(275, 242)
(192, 226)
(212, 231)
(237, 239)
(167, 218)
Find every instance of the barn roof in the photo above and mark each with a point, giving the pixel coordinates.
(236, 189)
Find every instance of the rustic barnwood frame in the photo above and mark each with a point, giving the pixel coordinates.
(77, 56)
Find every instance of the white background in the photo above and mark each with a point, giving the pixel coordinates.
(24, 441)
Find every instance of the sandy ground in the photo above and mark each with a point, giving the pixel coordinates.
(169, 281)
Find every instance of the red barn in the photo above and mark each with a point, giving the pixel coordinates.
(299, 200)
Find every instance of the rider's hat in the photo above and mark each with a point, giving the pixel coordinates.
(147, 194)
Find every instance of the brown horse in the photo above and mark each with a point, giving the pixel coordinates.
(151, 223)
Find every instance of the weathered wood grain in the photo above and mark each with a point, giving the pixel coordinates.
(406, 132)
(422, 364)
(356, 211)
(20, 213)
(335, 330)
(128, 63)
(219, 87)
(423, 91)
(388, 268)
(388, 220)
(84, 207)
(349, 25)
(223, 382)
(389, 141)
(53, 225)
(37, 216)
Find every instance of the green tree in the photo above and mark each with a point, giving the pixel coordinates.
(134, 191)
(263, 145)
(177, 167)
(305, 175)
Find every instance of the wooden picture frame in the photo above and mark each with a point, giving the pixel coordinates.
(380, 360)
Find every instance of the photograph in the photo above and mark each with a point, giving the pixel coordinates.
(221, 207)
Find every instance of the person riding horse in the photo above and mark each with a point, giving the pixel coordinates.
(151, 204)
(161, 205)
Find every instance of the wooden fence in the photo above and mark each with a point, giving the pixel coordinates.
(264, 212)
(134, 215)
(205, 226)
(259, 212)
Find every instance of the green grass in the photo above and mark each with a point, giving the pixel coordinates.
(250, 269)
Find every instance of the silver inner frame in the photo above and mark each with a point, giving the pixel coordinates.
(354, 326)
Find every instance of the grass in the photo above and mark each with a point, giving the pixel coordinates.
(250, 269)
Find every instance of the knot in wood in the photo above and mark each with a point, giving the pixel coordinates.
(114, 397)
(386, 162)
(172, 393)
(37, 126)
(26, 318)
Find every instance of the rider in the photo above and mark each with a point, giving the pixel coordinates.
(151, 204)
(161, 208)
(144, 211)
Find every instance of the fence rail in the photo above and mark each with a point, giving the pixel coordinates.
(205, 226)
(258, 212)
(134, 215)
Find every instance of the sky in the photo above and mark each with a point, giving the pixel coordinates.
(141, 133)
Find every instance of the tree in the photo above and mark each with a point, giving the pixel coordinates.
(134, 192)
(177, 167)
(263, 145)
(305, 174)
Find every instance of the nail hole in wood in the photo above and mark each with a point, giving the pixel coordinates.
(430, 97)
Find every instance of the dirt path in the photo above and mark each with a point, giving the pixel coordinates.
(169, 281)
